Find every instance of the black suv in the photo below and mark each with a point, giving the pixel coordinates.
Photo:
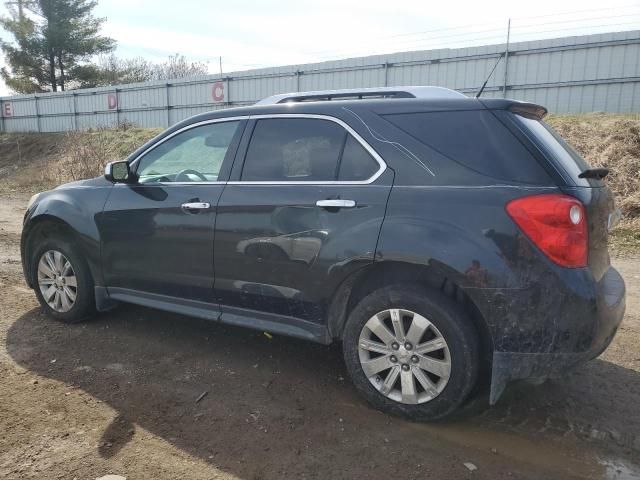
(442, 239)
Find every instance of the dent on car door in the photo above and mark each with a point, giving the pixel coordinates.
(157, 234)
(303, 213)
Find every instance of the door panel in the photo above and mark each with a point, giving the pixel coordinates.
(151, 244)
(278, 252)
(281, 249)
(157, 234)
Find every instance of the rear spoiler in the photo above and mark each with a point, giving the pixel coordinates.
(528, 110)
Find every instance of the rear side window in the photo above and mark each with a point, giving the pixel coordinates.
(304, 149)
(476, 140)
(553, 143)
(294, 149)
(357, 164)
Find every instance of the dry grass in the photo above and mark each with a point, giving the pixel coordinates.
(33, 162)
(611, 141)
(87, 153)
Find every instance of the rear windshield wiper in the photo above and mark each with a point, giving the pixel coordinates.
(597, 173)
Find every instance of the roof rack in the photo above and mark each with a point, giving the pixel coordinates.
(361, 94)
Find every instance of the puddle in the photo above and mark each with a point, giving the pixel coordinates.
(567, 459)
(620, 470)
(572, 459)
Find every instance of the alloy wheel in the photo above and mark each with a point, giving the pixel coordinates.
(404, 356)
(57, 281)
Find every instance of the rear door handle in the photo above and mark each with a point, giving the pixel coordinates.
(196, 206)
(336, 203)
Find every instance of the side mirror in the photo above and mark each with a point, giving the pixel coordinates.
(117, 172)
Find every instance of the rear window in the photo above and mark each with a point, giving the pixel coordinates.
(476, 140)
(555, 146)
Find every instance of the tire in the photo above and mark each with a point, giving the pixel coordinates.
(447, 388)
(83, 306)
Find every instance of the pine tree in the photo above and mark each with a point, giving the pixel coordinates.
(53, 39)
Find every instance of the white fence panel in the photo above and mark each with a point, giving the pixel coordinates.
(568, 75)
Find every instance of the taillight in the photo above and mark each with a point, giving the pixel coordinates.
(556, 224)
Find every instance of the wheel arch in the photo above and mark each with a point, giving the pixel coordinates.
(381, 274)
(45, 226)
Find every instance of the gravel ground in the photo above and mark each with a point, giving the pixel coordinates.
(119, 395)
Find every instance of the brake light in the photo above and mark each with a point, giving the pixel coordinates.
(556, 223)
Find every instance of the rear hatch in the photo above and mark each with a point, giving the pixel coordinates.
(580, 181)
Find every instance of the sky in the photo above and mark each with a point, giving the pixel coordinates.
(254, 34)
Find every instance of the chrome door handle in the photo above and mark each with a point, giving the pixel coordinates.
(336, 203)
(196, 206)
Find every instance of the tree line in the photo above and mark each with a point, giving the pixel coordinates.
(57, 46)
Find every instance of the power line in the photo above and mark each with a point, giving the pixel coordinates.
(442, 29)
(522, 29)
(633, 5)
(446, 29)
(386, 43)
(367, 43)
(580, 28)
(533, 25)
(427, 41)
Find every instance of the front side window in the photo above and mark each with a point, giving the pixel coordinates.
(195, 155)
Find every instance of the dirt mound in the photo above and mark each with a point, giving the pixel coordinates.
(32, 162)
(611, 141)
(86, 153)
(23, 157)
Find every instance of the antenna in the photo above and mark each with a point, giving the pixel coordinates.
(489, 76)
(506, 60)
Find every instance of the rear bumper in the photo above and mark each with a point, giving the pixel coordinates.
(604, 321)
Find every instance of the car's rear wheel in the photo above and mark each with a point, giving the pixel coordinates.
(63, 283)
(411, 352)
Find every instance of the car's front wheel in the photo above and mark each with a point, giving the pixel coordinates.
(63, 283)
(411, 352)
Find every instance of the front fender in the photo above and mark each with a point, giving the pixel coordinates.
(74, 209)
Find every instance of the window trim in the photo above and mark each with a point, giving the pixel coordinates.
(382, 166)
(381, 163)
(135, 161)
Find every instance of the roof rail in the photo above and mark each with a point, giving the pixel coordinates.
(362, 93)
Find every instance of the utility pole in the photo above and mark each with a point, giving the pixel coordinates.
(21, 4)
(220, 59)
(506, 60)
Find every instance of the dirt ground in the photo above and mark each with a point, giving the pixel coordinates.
(119, 395)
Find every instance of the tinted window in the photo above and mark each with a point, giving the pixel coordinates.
(571, 160)
(476, 140)
(357, 163)
(193, 155)
(293, 149)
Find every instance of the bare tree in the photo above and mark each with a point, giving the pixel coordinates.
(112, 70)
(177, 66)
